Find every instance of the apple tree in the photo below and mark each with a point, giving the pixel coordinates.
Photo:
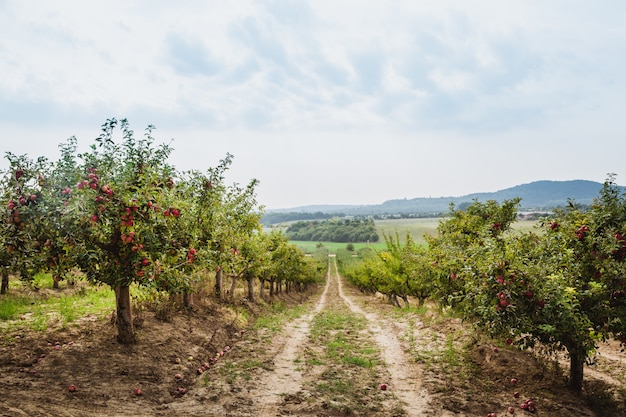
(561, 289)
(456, 251)
(56, 188)
(119, 215)
(21, 199)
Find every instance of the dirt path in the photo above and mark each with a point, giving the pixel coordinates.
(291, 380)
(405, 376)
(287, 375)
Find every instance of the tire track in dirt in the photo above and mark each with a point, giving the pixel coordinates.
(287, 379)
(406, 377)
(287, 375)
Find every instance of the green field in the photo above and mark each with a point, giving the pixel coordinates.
(416, 228)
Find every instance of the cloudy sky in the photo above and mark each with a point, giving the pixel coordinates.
(329, 102)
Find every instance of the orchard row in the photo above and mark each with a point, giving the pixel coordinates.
(562, 286)
(122, 214)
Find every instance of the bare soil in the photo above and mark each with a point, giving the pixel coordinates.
(432, 366)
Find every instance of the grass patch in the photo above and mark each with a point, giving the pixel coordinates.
(278, 315)
(24, 307)
(348, 359)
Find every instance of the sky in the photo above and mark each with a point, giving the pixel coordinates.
(329, 101)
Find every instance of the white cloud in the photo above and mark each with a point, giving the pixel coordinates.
(369, 81)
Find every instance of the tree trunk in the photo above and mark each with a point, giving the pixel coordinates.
(261, 288)
(55, 281)
(218, 282)
(393, 299)
(233, 287)
(577, 363)
(5, 281)
(251, 289)
(271, 288)
(406, 301)
(188, 300)
(125, 330)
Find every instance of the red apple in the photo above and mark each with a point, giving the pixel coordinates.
(137, 391)
(516, 394)
(511, 410)
(513, 380)
(178, 376)
(72, 388)
(495, 349)
(509, 341)
(383, 387)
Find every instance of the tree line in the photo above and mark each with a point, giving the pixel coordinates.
(561, 287)
(120, 214)
(334, 230)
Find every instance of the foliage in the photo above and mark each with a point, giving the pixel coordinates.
(398, 271)
(22, 198)
(123, 216)
(335, 230)
(562, 288)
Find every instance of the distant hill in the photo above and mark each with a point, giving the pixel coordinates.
(536, 196)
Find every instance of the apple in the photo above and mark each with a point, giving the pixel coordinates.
(94, 218)
(199, 371)
(137, 391)
(72, 388)
(511, 410)
(509, 341)
(516, 394)
(495, 349)
(178, 376)
(383, 387)
(513, 380)
(176, 360)
(19, 173)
